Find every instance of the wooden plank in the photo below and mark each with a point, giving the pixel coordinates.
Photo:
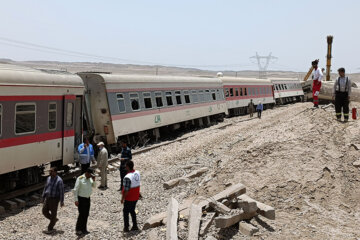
(206, 223)
(194, 222)
(263, 209)
(227, 221)
(219, 207)
(247, 229)
(172, 218)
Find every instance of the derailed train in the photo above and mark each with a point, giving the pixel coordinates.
(44, 114)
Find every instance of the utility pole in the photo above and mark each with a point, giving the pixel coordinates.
(328, 57)
(263, 67)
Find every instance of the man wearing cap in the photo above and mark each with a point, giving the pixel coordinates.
(102, 160)
(317, 77)
(82, 191)
(130, 195)
(125, 156)
(341, 92)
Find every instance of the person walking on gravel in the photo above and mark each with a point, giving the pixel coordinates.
(259, 109)
(82, 192)
(102, 160)
(125, 156)
(341, 93)
(251, 108)
(130, 195)
(318, 75)
(53, 194)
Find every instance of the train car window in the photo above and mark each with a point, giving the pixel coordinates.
(285, 86)
(69, 114)
(169, 100)
(201, 95)
(25, 116)
(231, 92)
(240, 91)
(121, 102)
(245, 92)
(134, 100)
(147, 100)
(178, 97)
(218, 94)
(213, 95)
(236, 92)
(194, 96)
(0, 119)
(207, 96)
(187, 96)
(226, 92)
(158, 99)
(52, 116)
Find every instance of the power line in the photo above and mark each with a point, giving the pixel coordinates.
(263, 67)
(47, 49)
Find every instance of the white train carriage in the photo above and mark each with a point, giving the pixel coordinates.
(239, 91)
(40, 118)
(287, 90)
(125, 104)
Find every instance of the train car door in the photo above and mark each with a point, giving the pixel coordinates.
(69, 129)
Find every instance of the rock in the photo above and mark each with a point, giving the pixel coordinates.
(356, 163)
(247, 229)
(153, 235)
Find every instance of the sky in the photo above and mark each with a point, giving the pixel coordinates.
(206, 34)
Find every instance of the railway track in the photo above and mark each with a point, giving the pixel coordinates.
(112, 165)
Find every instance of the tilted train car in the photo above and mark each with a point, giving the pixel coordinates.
(239, 91)
(287, 90)
(123, 106)
(40, 120)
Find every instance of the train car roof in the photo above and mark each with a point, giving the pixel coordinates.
(128, 78)
(232, 80)
(280, 79)
(20, 75)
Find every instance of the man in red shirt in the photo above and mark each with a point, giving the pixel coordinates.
(130, 195)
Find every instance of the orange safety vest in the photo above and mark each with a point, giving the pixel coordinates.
(134, 192)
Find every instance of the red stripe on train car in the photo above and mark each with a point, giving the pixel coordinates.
(30, 98)
(10, 142)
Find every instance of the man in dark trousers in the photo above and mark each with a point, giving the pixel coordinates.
(125, 156)
(259, 109)
(82, 192)
(341, 92)
(130, 195)
(251, 108)
(86, 155)
(53, 194)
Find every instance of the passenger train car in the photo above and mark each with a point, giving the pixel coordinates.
(122, 105)
(44, 114)
(287, 90)
(239, 92)
(40, 119)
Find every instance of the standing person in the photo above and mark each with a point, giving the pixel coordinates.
(102, 160)
(82, 191)
(86, 154)
(259, 109)
(53, 194)
(125, 156)
(341, 92)
(251, 108)
(318, 75)
(130, 195)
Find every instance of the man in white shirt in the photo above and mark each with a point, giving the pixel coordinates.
(318, 75)
(341, 92)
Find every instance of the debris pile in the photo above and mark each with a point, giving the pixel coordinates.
(223, 210)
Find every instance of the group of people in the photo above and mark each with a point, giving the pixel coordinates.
(341, 91)
(259, 108)
(53, 193)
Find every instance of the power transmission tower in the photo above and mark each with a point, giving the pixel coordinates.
(263, 63)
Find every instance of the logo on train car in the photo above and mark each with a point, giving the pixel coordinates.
(157, 119)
